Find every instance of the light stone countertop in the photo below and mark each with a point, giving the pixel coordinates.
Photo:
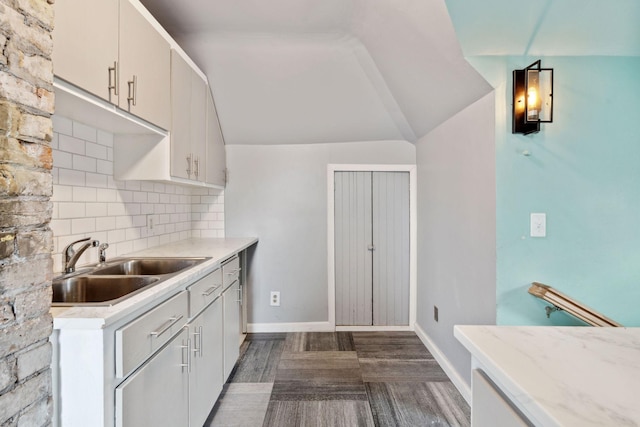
(562, 376)
(99, 317)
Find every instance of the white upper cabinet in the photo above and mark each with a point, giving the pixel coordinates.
(216, 161)
(85, 41)
(144, 79)
(117, 52)
(188, 123)
(108, 48)
(181, 164)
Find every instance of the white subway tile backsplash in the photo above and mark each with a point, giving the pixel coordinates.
(105, 223)
(116, 235)
(62, 193)
(84, 194)
(146, 186)
(96, 209)
(96, 180)
(70, 210)
(85, 132)
(104, 167)
(146, 209)
(62, 125)
(70, 144)
(116, 209)
(84, 163)
(133, 209)
(140, 221)
(83, 225)
(140, 196)
(96, 151)
(132, 185)
(62, 159)
(106, 195)
(153, 198)
(132, 233)
(70, 177)
(89, 202)
(60, 227)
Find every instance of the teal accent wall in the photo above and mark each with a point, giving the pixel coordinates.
(583, 171)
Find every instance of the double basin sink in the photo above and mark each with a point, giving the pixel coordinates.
(108, 284)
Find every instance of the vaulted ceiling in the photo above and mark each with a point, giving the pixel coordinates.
(308, 71)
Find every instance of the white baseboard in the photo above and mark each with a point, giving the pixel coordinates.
(456, 379)
(290, 327)
(372, 328)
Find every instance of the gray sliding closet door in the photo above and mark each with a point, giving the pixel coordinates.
(391, 255)
(353, 235)
(372, 248)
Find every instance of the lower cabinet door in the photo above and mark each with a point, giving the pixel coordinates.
(231, 302)
(490, 408)
(205, 378)
(157, 394)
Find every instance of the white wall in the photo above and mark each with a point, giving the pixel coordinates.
(279, 193)
(457, 228)
(88, 202)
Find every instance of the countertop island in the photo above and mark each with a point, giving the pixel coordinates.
(561, 376)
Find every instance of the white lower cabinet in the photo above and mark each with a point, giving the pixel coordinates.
(205, 378)
(489, 406)
(161, 365)
(157, 394)
(231, 300)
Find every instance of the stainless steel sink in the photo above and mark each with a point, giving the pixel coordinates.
(98, 290)
(147, 266)
(120, 279)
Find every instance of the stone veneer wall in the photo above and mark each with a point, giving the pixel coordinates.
(26, 105)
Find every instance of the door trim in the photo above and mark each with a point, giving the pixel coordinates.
(331, 270)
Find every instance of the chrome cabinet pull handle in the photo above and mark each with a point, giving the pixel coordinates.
(188, 364)
(165, 326)
(240, 295)
(210, 291)
(196, 163)
(189, 166)
(133, 85)
(200, 338)
(198, 334)
(234, 272)
(113, 86)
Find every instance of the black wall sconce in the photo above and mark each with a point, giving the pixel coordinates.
(532, 98)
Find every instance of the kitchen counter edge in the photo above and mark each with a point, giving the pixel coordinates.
(219, 249)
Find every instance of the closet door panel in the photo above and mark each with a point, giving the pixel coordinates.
(390, 200)
(353, 260)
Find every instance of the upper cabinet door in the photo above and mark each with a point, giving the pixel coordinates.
(85, 41)
(216, 161)
(181, 159)
(199, 126)
(145, 63)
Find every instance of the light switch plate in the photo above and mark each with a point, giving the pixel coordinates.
(538, 225)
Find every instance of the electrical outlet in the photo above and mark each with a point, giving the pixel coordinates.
(275, 299)
(152, 223)
(435, 313)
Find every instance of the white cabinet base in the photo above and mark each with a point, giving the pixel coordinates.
(157, 394)
(489, 407)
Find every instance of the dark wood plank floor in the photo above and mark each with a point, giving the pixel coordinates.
(338, 379)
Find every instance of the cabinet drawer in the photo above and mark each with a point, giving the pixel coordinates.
(204, 291)
(230, 271)
(136, 341)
